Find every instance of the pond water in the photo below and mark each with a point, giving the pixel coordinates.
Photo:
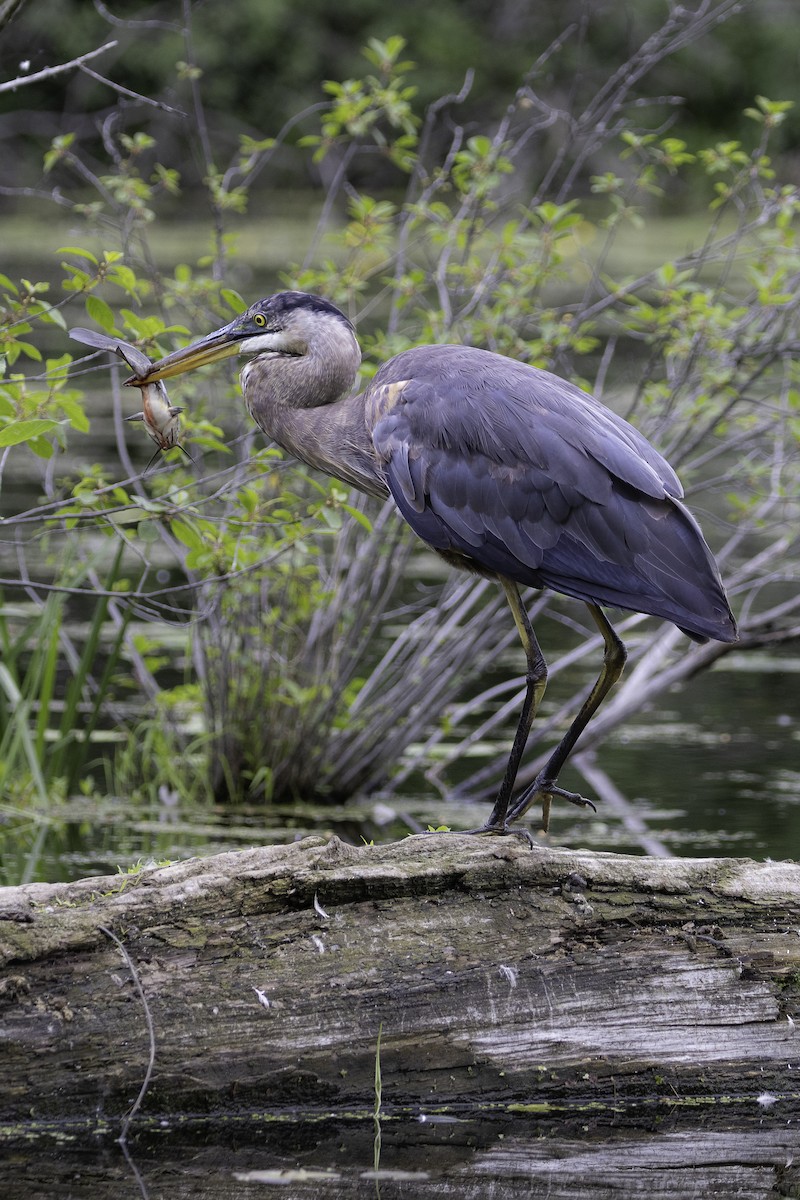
(665, 1155)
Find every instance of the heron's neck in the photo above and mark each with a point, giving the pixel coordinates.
(305, 404)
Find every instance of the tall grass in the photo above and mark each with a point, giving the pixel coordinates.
(54, 692)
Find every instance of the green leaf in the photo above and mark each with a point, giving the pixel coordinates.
(41, 447)
(134, 322)
(124, 278)
(74, 412)
(23, 431)
(48, 313)
(100, 312)
(187, 534)
(78, 252)
(233, 300)
(57, 370)
(359, 516)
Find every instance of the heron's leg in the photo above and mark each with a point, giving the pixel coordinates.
(535, 683)
(544, 785)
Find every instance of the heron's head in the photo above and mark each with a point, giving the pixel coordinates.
(284, 326)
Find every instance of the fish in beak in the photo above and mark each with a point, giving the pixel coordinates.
(161, 418)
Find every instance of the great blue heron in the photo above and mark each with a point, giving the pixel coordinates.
(504, 469)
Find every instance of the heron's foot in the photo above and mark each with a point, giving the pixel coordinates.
(545, 792)
(489, 830)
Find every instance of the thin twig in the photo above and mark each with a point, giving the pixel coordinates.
(127, 23)
(150, 1032)
(123, 91)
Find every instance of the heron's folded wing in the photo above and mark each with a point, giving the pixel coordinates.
(521, 490)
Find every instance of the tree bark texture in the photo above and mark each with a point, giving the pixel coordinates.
(496, 974)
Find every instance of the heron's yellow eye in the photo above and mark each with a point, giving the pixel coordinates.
(259, 319)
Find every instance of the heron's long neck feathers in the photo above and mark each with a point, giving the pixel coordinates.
(332, 439)
(301, 400)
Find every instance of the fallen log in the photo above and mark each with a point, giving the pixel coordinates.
(499, 978)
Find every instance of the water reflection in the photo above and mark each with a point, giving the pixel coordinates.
(746, 1150)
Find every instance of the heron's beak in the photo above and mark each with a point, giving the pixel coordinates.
(222, 343)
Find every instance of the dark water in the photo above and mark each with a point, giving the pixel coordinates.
(713, 766)
(572, 1155)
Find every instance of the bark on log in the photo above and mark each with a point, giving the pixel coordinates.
(502, 979)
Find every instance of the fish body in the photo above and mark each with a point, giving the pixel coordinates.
(160, 418)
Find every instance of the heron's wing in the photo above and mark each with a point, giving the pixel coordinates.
(527, 477)
(498, 403)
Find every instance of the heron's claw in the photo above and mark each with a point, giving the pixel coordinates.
(573, 797)
(546, 793)
(487, 830)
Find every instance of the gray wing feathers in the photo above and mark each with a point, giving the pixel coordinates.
(531, 478)
(462, 398)
(494, 463)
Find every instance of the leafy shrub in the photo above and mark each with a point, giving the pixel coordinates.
(282, 592)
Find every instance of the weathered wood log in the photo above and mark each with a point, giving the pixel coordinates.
(500, 978)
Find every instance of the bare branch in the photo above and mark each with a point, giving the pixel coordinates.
(123, 91)
(23, 80)
(127, 23)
